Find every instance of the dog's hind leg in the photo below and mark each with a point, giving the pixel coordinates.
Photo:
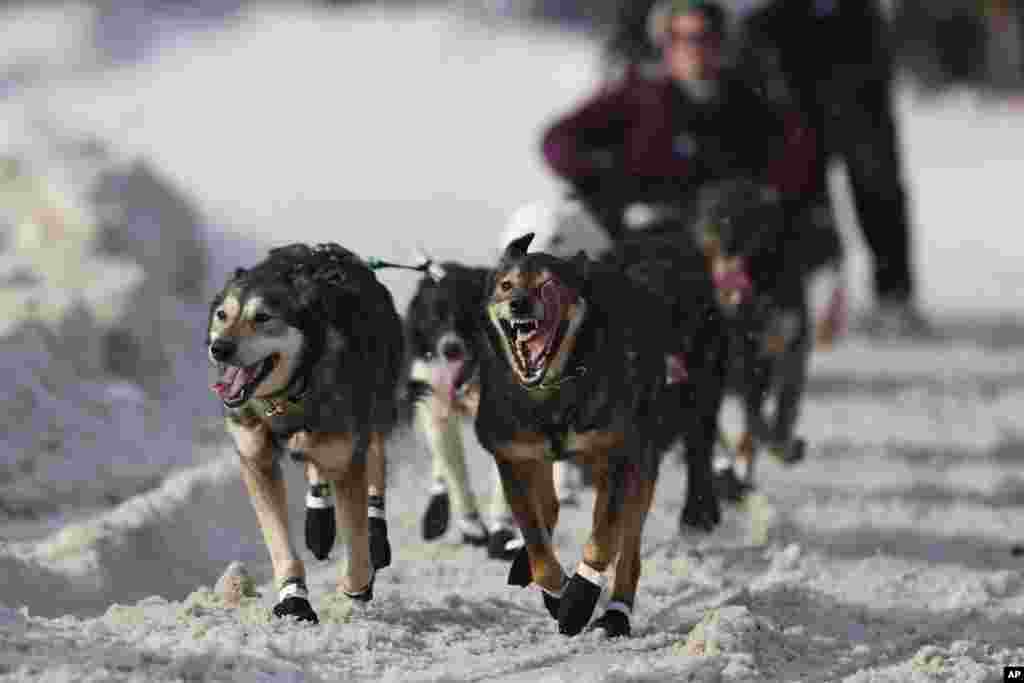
(702, 405)
(376, 475)
(615, 621)
(264, 480)
(503, 541)
(792, 381)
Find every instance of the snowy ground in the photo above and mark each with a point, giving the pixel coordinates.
(887, 556)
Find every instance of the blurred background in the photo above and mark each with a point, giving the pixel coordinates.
(148, 147)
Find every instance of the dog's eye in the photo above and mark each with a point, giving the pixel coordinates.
(506, 285)
(261, 318)
(221, 315)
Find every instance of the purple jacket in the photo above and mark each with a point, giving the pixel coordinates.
(645, 132)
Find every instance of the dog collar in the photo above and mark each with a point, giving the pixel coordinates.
(279, 403)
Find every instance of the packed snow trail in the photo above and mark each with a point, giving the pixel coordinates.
(886, 556)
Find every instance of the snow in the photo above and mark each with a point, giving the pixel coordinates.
(886, 556)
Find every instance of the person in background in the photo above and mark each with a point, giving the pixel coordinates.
(660, 132)
(831, 60)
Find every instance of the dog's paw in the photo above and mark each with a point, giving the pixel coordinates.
(789, 453)
(380, 547)
(435, 519)
(700, 512)
(614, 623)
(553, 603)
(295, 606)
(503, 544)
(578, 602)
(729, 487)
(519, 572)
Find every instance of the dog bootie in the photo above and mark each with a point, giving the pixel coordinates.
(519, 573)
(473, 531)
(789, 453)
(380, 547)
(439, 510)
(700, 512)
(579, 600)
(553, 601)
(615, 621)
(295, 602)
(321, 528)
(503, 543)
(730, 487)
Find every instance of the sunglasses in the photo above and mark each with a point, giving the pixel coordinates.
(694, 38)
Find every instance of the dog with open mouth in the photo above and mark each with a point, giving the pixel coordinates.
(442, 325)
(575, 367)
(659, 255)
(309, 352)
(762, 260)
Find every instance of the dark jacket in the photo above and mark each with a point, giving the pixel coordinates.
(644, 139)
(829, 53)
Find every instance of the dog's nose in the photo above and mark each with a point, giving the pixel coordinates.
(223, 349)
(521, 306)
(452, 351)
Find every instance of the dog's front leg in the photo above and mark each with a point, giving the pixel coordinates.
(640, 484)
(351, 490)
(585, 586)
(526, 483)
(261, 471)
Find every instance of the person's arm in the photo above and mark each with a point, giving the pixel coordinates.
(580, 146)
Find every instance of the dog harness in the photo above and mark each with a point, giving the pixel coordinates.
(559, 432)
(284, 408)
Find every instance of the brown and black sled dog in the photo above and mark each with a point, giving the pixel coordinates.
(309, 349)
(588, 362)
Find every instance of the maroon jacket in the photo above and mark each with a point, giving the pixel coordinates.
(647, 137)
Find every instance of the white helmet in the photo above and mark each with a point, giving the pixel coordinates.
(560, 228)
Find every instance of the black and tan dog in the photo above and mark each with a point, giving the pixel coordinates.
(578, 366)
(762, 255)
(310, 349)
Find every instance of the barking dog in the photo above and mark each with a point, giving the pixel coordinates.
(662, 258)
(442, 326)
(575, 367)
(309, 348)
(761, 264)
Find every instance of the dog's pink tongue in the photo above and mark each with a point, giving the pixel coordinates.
(447, 378)
(555, 298)
(231, 382)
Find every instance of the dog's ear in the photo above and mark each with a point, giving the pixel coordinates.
(516, 249)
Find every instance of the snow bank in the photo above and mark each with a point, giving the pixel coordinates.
(103, 280)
